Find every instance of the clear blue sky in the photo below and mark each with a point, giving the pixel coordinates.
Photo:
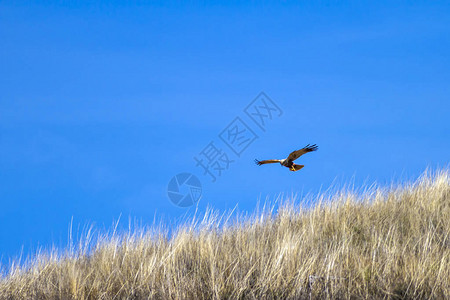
(100, 105)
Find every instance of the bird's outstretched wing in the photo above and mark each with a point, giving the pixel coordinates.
(268, 161)
(296, 154)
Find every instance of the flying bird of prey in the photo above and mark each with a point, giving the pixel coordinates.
(289, 161)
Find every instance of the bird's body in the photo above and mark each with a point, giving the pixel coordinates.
(289, 161)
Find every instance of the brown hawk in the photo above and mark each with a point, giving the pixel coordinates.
(289, 161)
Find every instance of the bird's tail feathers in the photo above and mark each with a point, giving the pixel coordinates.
(296, 167)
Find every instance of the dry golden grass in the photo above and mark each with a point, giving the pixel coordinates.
(381, 244)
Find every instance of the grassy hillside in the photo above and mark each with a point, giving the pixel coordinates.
(387, 243)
